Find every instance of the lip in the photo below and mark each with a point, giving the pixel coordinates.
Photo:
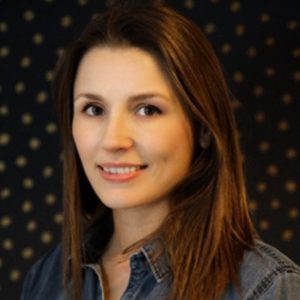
(124, 177)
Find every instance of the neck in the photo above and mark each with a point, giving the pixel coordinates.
(133, 224)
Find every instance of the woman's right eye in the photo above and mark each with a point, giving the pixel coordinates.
(93, 110)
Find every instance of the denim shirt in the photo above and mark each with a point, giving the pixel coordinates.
(265, 273)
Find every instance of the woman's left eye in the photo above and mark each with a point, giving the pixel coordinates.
(148, 110)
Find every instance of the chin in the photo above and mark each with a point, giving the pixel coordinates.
(125, 203)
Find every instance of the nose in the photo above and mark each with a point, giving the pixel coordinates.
(116, 134)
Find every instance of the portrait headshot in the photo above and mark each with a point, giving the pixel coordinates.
(150, 150)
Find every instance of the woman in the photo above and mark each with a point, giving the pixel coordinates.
(154, 195)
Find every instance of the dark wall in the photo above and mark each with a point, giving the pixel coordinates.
(258, 43)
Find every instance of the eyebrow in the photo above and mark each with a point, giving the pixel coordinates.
(134, 98)
(88, 96)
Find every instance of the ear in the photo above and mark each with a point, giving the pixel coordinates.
(204, 137)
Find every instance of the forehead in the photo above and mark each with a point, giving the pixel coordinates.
(120, 64)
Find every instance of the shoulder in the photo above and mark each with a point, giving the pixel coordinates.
(49, 263)
(44, 275)
(266, 273)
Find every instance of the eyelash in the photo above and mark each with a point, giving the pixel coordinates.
(157, 111)
(154, 110)
(91, 105)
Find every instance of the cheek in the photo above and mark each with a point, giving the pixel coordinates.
(170, 142)
(84, 139)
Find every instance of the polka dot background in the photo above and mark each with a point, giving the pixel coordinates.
(258, 43)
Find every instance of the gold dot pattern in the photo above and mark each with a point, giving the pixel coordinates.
(294, 213)
(3, 27)
(66, 21)
(4, 110)
(58, 218)
(8, 244)
(275, 203)
(50, 199)
(270, 41)
(257, 44)
(27, 206)
(291, 153)
(189, 4)
(251, 52)
(235, 6)
(209, 28)
(83, 2)
(226, 48)
(47, 172)
(27, 253)
(5, 221)
(31, 226)
(14, 275)
(5, 193)
(21, 161)
(2, 166)
(46, 237)
(4, 139)
(34, 143)
(38, 38)
(27, 118)
(264, 17)
(4, 52)
(28, 15)
(272, 170)
(25, 62)
(28, 183)
(264, 225)
(291, 186)
(19, 87)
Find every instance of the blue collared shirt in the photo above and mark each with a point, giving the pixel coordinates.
(265, 273)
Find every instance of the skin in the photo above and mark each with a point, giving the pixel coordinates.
(126, 112)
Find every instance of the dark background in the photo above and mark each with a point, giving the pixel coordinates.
(258, 44)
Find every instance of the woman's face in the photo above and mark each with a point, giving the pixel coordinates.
(133, 138)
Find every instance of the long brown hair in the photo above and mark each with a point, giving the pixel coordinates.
(209, 227)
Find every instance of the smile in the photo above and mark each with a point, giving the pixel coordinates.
(124, 170)
(120, 172)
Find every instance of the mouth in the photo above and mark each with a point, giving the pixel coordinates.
(122, 170)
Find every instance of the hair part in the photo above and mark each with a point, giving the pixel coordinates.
(210, 203)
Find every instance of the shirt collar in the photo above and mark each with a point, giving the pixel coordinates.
(153, 250)
(157, 259)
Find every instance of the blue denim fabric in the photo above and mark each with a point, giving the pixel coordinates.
(265, 274)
